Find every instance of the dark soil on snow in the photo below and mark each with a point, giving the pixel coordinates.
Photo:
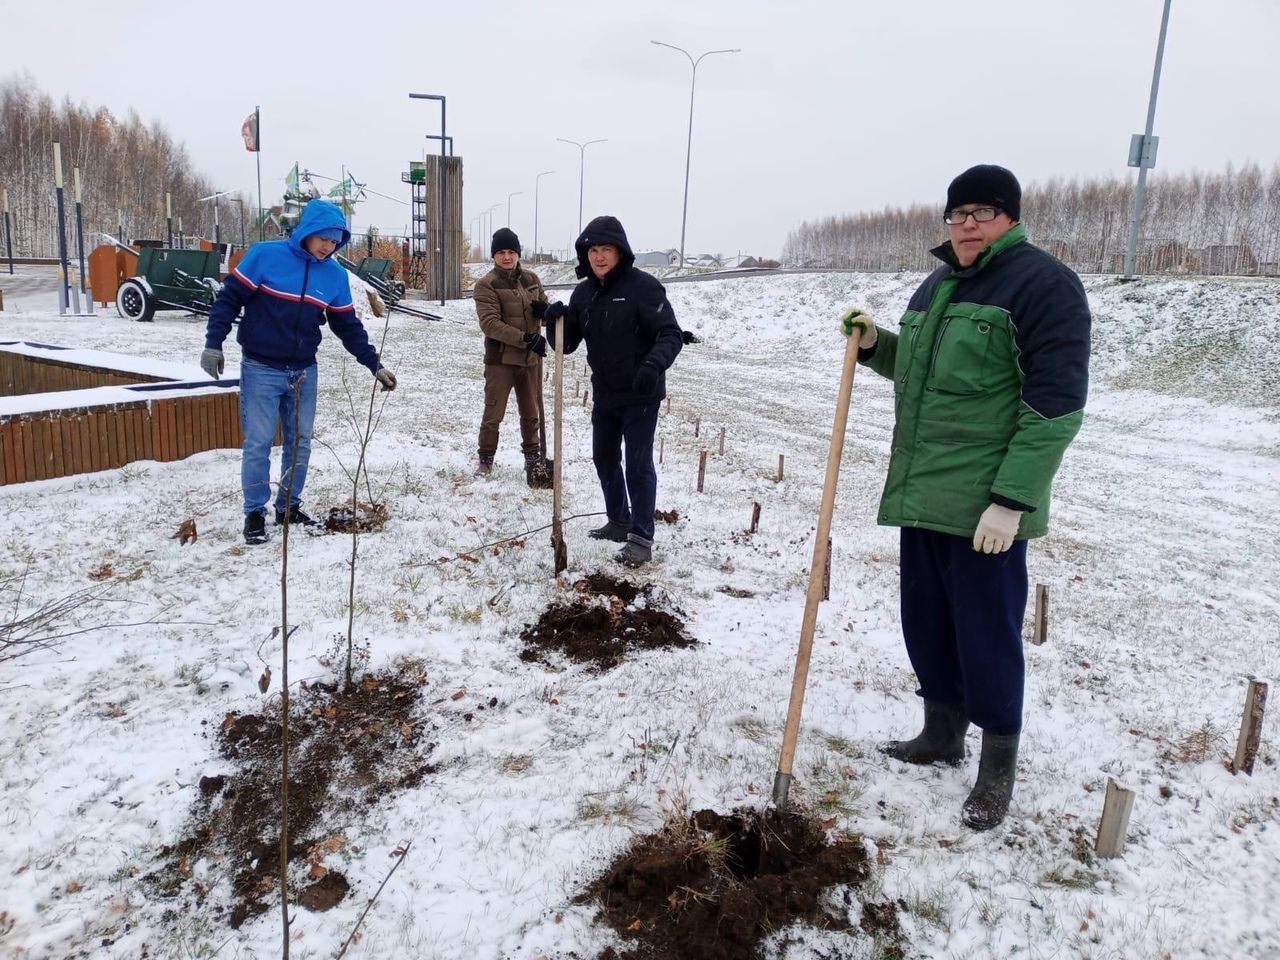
(367, 518)
(347, 750)
(711, 887)
(606, 620)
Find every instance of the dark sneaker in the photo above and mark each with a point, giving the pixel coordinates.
(635, 553)
(617, 532)
(297, 518)
(255, 527)
(484, 467)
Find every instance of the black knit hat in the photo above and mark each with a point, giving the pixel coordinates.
(986, 183)
(504, 238)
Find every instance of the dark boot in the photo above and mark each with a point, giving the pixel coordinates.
(989, 800)
(617, 532)
(484, 466)
(941, 740)
(255, 527)
(636, 552)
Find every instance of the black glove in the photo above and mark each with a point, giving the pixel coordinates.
(688, 336)
(537, 343)
(554, 311)
(538, 308)
(646, 380)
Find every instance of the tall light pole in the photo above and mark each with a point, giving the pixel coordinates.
(443, 140)
(217, 225)
(488, 233)
(688, 153)
(582, 164)
(1142, 152)
(509, 196)
(535, 212)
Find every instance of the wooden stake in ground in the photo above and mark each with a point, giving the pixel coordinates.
(1040, 626)
(782, 780)
(702, 469)
(1113, 829)
(661, 441)
(826, 573)
(781, 462)
(722, 441)
(1255, 705)
(558, 547)
(697, 425)
(755, 516)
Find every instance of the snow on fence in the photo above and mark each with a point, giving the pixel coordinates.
(70, 411)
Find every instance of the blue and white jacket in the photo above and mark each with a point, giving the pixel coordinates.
(287, 295)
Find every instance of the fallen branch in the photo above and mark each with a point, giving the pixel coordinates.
(497, 543)
(402, 851)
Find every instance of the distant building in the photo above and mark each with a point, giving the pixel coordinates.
(658, 258)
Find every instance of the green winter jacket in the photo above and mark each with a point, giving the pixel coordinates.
(990, 369)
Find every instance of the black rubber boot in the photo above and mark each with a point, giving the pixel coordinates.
(941, 740)
(617, 532)
(989, 800)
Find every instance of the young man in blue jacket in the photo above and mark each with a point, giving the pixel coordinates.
(287, 289)
(632, 338)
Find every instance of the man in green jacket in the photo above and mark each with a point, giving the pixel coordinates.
(990, 367)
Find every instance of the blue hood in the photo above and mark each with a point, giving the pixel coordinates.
(316, 216)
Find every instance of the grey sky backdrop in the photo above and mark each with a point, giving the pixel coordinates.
(831, 107)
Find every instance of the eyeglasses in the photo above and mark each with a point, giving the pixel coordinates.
(980, 215)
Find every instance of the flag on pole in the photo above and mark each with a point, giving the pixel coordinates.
(249, 130)
(291, 184)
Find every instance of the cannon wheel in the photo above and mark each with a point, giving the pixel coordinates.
(134, 303)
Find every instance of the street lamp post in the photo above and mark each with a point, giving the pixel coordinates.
(582, 164)
(1142, 152)
(688, 153)
(443, 141)
(535, 212)
(509, 196)
(217, 223)
(488, 233)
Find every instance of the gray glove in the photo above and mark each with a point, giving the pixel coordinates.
(211, 362)
(386, 378)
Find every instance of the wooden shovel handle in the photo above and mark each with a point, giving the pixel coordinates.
(814, 596)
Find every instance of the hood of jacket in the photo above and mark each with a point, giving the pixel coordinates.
(318, 215)
(599, 231)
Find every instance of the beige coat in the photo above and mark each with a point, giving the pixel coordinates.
(503, 299)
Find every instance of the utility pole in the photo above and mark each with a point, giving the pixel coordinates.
(1142, 152)
(688, 153)
(535, 212)
(582, 165)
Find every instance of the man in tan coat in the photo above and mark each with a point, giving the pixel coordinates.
(510, 303)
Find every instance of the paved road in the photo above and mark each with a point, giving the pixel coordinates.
(29, 288)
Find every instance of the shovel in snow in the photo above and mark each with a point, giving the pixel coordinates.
(782, 780)
(540, 475)
(557, 532)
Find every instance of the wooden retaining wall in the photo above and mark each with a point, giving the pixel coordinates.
(60, 443)
(21, 374)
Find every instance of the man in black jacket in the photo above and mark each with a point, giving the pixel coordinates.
(632, 338)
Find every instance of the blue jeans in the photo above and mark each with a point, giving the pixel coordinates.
(267, 398)
(962, 621)
(629, 497)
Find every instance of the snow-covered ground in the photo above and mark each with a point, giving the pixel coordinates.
(1161, 564)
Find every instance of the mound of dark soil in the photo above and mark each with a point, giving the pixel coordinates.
(603, 623)
(367, 518)
(710, 887)
(347, 750)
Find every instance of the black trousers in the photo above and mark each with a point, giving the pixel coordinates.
(962, 617)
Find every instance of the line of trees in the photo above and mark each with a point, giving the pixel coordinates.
(1226, 222)
(126, 168)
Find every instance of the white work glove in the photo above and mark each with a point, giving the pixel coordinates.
(996, 529)
(855, 318)
(211, 362)
(386, 378)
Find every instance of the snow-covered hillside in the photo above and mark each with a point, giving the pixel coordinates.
(1161, 565)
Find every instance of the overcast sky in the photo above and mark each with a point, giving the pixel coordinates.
(830, 107)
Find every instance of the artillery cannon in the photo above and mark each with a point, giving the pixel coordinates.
(169, 279)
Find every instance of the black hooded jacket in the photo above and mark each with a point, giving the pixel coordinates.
(624, 318)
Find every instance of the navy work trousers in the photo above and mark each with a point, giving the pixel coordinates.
(962, 621)
(630, 495)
